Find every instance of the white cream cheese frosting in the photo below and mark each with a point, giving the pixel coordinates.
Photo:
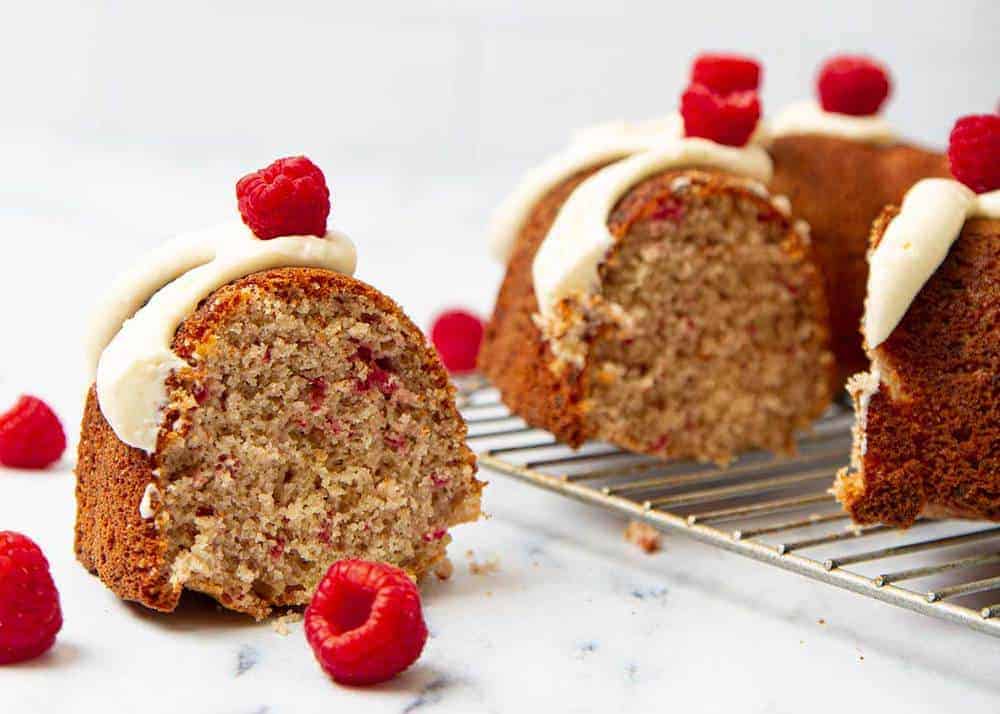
(808, 117)
(568, 258)
(914, 245)
(130, 337)
(146, 502)
(589, 147)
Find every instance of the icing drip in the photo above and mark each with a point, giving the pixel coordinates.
(914, 245)
(809, 118)
(133, 356)
(568, 258)
(146, 502)
(589, 147)
(130, 291)
(864, 386)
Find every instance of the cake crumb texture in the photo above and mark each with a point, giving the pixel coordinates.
(708, 335)
(313, 424)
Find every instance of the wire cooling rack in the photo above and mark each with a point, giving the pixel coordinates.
(774, 510)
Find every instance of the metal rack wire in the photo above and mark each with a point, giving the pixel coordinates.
(775, 511)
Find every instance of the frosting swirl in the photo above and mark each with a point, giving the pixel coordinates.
(809, 118)
(914, 245)
(130, 338)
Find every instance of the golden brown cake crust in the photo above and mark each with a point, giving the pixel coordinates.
(112, 540)
(839, 186)
(932, 430)
(516, 357)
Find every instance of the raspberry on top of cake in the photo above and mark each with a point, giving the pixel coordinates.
(258, 414)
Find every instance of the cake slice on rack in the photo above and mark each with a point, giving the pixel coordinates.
(927, 436)
(840, 162)
(664, 302)
(257, 414)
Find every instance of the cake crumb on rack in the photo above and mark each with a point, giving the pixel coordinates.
(280, 624)
(643, 535)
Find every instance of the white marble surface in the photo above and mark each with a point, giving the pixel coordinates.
(116, 133)
(574, 619)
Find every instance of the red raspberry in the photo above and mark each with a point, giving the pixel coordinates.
(726, 73)
(31, 436)
(287, 198)
(852, 84)
(457, 335)
(728, 119)
(974, 151)
(30, 615)
(364, 623)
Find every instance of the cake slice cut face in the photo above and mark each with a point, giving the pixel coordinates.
(927, 434)
(312, 423)
(667, 304)
(261, 416)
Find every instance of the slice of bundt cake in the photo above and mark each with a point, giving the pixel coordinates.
(665, 303)
(927, 436)
(840, 164)
(263, 415)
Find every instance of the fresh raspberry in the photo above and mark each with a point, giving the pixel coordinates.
(30, 615)
(852, 84)
(364, 623)
(974, 151)
(457, 335)
(728, 119)
(287, 198)
(726, 73)
(31, 436)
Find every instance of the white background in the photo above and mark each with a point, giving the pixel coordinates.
(122, 123)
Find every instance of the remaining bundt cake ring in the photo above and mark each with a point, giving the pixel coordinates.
(839, 170)
(295, 417)
(839, 186)
(927, 435)
(666, 304)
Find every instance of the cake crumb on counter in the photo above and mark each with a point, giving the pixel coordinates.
(490, 565)
(280, 624)
(644, 535)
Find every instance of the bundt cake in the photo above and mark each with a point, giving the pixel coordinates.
(840, 164)
(257, 414)
(927, 433)
(664, 302)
